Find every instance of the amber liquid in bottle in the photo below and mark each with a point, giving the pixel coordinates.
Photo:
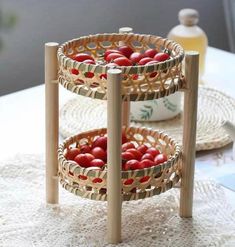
(190, 36)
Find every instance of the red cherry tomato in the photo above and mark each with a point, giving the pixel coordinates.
(99, 153)
(97, 180)
(147, 157)
(134, 164)
(97, 162)
(153, 151)
(145, 60)
(80, 57)
(160, 57)
(147, 163)
(135, 57)
(144, 179)
(113, 56)
(127, 145)
(151, 62)
(71, 153)
(103, 76)
(74, 71)
(129, 181)
(82, 160)
(90, 157)
(125, 50)
(109, 51)
(135, 77)
(150, 53)
(79, 81)
(85, 149)
(136, 153)
(160, 158)
(89, 74)
(133, 190)
(124, 138)
(142, 148)
(89, 61)
(127, 156)
(122, 61)
(125, 167)
(82, 177)
(153, 74)
(100, 142)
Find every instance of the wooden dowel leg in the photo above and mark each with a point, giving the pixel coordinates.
(126, 113)
(189, 134)
(125, 104)
(51, 105)
(114, 131)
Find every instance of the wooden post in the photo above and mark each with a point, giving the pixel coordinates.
(189, 133)
(51, 108)
(126, 103)
(114, 130)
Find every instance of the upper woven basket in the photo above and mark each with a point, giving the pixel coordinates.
(138, 82)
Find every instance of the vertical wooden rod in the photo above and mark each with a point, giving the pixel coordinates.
(126, 103)
(114, 130)
(51, 104)
(189, 133)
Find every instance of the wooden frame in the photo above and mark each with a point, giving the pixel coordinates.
(189, 133)
(114, 138)
(52, 121)
(114, 130)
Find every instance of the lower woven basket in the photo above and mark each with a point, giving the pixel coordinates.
(92, 183)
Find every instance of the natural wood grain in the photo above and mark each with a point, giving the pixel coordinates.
(189, 133)
(114, 131)
(51, 104)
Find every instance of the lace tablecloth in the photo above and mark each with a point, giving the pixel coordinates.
(25, 219)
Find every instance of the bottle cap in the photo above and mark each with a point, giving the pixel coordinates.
(188, 17)
(125, 30)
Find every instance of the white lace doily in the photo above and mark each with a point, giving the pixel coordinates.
(26, 221)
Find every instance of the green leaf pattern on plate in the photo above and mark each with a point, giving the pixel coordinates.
(155, 102)
(131, 117)
(169, 105)
(146, 112)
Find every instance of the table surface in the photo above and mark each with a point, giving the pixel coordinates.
(22, 117)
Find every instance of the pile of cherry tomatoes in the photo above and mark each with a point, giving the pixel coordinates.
(133, 156)
(122, 56)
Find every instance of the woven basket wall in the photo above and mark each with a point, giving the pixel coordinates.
(138, 82)
(80, 181)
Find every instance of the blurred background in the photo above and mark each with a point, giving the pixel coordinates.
(25, 25)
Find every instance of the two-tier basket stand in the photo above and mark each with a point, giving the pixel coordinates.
(122, 85)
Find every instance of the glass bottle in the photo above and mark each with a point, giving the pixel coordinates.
(190, 36)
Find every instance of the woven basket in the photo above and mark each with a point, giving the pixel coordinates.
(80, 181)
(138, 82)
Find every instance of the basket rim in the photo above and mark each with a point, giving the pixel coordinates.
(125, 197)
(144, 96)
(75, 168)
(137, 69)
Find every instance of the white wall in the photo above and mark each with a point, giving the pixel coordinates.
(21, 60)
